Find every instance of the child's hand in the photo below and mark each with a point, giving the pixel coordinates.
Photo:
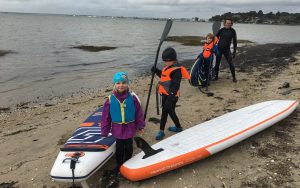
(141, 132)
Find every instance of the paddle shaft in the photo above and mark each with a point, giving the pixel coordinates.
(151, 83)
(163, 37)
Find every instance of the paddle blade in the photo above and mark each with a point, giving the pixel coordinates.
(166, 30)
(216, 26)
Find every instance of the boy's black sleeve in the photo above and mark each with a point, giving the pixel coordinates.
(175, 81)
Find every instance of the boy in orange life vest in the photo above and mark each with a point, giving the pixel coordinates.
(170, 78)
(122, 116)
(206, 55)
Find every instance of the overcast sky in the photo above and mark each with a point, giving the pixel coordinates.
(148, 8)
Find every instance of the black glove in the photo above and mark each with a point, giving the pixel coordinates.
(153, 69)
(233, 55)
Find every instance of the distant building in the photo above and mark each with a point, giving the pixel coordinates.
(195, 19)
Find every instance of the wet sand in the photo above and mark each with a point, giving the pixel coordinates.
(31, 134)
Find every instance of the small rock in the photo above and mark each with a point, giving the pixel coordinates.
(285, 85)
(4, 109)
(108, 90)
(48, 104)
(231, 101)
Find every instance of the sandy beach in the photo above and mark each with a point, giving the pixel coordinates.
(32, 133)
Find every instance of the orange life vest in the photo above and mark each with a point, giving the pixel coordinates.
(208, 48)
(165, 79)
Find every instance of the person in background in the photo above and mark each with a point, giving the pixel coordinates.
(226, 35)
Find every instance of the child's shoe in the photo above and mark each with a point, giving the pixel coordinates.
(175, 129)
(160, 135)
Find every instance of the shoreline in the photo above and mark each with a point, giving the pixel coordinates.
(50, 100)
(139, 18)
(270, 158)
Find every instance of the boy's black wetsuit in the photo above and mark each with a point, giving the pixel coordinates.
(225, 37)
(169, 101)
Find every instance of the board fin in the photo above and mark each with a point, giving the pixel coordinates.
(147, 149)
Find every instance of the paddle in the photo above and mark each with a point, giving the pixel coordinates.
(163, 37)
(216, 27)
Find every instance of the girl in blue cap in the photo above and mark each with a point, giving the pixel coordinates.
(122, 116)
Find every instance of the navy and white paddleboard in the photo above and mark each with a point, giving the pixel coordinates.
(86, 149)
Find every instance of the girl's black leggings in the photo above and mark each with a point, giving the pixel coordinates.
(124, 150)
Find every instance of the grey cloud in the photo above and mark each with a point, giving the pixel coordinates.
(148, 8)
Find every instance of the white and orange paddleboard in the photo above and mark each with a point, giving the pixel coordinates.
(207, 138)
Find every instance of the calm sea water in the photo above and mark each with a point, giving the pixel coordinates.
(44, 65)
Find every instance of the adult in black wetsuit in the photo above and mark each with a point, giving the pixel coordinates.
(226, 35)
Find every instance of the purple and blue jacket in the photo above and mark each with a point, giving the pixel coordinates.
(122, 131)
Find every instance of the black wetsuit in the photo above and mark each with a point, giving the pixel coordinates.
(225, 37)
(171, 98)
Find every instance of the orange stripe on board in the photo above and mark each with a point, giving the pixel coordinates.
(88, 124)
(187, 158)
(253, 126)
(164, 166)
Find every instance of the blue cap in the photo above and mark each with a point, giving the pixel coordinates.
(120, 77)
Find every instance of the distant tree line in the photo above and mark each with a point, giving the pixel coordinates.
(260, 18)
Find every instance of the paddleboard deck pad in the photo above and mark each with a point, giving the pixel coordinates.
(208, 138)
(86, 148)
